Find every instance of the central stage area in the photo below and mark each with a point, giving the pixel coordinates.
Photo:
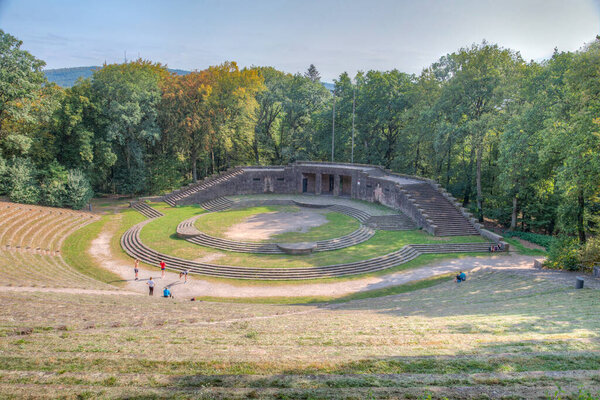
(261, 227)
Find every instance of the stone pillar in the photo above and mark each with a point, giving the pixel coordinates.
(318, 179)
(336, 185)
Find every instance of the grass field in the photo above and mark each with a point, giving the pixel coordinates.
(498, 335)
(160, 235)
(217, 224)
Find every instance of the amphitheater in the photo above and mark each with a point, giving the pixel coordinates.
(410, 203)
(311, 281)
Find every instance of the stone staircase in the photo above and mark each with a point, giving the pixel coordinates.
(360, 215)
(177, 195)
(395, 222)
(132, 244)
(218, 204)
(146, 210)
(439, 211)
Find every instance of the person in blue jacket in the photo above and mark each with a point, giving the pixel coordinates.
(167, 292)
(460, 277)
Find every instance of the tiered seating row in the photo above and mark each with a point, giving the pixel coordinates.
(146, 210)
(207, 183)
(394, 222)
(218, 204)
(187, 230)
(38, 229)
(30, 242)
(132, 244)
(358, 236)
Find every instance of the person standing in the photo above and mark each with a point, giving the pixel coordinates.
(163, 266)
(150, 284)
(136, 269)
(185, 274)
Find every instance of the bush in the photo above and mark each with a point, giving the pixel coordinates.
(4, 183)
(79, 190)
(590, 253)
(22, 184)
(564, 253)
(545, 241)
(53, 185)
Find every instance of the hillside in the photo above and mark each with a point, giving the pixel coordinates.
(66, 77)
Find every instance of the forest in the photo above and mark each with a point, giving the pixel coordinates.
(517, 141)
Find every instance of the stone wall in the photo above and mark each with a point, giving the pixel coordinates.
(362, 182)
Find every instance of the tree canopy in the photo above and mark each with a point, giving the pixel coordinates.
(516, 141)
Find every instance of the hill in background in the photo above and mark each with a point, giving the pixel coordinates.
(66, 77)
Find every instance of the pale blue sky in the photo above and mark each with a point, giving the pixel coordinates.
(334, 35)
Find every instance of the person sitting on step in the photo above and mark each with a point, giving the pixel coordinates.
(460, 277)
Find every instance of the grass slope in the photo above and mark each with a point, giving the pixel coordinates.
(74, 251)
(499, 335)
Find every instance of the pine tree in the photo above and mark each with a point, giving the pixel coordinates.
(312, 73)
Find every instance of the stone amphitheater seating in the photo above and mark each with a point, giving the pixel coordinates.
(146, 210)
(205, 184)
(424, 201)
(132, 244)
(30, 241)
(187, 230)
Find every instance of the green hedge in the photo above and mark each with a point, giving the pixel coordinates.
(541, 240)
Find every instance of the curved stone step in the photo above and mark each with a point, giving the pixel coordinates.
(132, 244)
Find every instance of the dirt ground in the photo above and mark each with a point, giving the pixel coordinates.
(263, 226)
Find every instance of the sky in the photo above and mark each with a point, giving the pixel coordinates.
(335, 35)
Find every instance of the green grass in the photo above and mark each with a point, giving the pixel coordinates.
(502, 334)
(519, 248)
(217, 224)
(74, 251)
(160, 235)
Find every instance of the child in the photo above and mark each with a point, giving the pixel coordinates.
(150, 284)
(162, 269)
(136, 270)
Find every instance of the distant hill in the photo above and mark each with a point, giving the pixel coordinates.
(66, 77)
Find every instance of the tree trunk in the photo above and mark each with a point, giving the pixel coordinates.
(194, 169)
(478, 179)
(448, 163)
(255, 147)
(212, 159)
(580, 211)
(513, 217)
(417, 159)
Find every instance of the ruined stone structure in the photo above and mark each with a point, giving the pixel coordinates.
(428, 205)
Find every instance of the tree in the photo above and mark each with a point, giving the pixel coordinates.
(127, 97)
(312, 73)
(480, 86)
(184, 113)
(21, 80)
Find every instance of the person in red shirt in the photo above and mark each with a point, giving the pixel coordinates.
(162, 269)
